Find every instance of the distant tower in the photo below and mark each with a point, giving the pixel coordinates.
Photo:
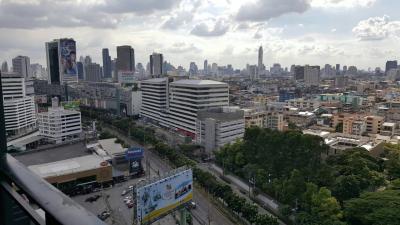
(22, 66)
(106, 63)
(260, 58)
(4, 67)
(156, 64)
(205, 67)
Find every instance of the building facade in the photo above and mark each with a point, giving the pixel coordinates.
(22, 66)
(219, 126)
(156, 65)
(19, 109)
(59, 125)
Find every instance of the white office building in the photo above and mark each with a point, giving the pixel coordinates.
(219, 126)
(19, 109)
(154, 99)
(175, 104)
(59, 125)
(311, 75)
(187, 97)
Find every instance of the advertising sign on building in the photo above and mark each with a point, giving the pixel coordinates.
(134, 153)
(156, 199)
(126, 77)
(68, 58)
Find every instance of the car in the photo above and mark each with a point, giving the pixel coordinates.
(104, 215)
(130, 204)
(124, 192)
(127, 199)
(192, 205)
(130, 187)
(92, 198)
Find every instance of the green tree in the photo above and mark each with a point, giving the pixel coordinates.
(374, 208)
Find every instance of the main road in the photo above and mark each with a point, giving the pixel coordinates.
(205, 212)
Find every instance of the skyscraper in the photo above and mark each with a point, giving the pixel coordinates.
(260, 58)
(205, 67)
(106, 63)
(22, 66)
(311, 75)
(81, 73)
(4, 67)
(193, 69)
(125, 58)
(61, 61)
(156, 65)
(299, 72)
(390, 65)
(337, 69)
(93, 72)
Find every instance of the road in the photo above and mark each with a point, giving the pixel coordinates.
(205, 212)
(242, 189)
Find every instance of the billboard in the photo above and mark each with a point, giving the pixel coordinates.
(68, 58)
(158, 198)
(134, 153)
(126, 77)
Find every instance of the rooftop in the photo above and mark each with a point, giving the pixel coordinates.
(198, 82)
(156, 80)
(54, 154)
(111, 147)
(67, 166)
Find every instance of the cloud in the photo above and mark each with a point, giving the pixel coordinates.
(376, 28)
(137, 6)
(203, 30)
(342, 3)
(182, 47)
(263, 10)
(176, 21)
(48, 13)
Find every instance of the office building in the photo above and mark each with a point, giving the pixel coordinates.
(260, 65)
(390, 65)
(337, 69)
(4, 67)
(93, 72)
(299, 73)
(19, 109)
(61, 61)
(81, 71)
(106, 63)
(193, 69)
(38, 71)
(156, 65)
(154, 99)
(59, 125)
(205, 68)
(22, 65)
(216, 127)
(311, 75)
(125, 59)
(187, 97)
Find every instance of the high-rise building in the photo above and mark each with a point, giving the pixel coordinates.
(299, 72)
(22, 65)
(61, 61)
(156, 65)
(38, 71)
(93, 72)
(59, 125)
(19, 109)
(337, 69)
(125, 58)
(205, 68)
(106, 63)
(260, 58)
(4, 67)
(80, 68)
(87, 60)
(193, 69)
(390, 65)
(311, 75)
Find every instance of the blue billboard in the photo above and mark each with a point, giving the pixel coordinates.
(134, 153)
(68, 58)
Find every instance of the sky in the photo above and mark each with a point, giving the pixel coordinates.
(364, 33)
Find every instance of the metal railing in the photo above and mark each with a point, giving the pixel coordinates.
(26, 199)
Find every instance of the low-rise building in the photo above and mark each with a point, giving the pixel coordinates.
(303, 104)
(217, 127)
(274, 121)
(59, 125)
(254, 117)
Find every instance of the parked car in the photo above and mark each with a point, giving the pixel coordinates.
(124, 192)
(104, 215)
(92, 198)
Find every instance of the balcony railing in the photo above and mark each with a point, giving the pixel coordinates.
(27, 199)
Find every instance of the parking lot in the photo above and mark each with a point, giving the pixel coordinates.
(112, 201)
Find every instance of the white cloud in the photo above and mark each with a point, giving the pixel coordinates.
(376, 28)
(342, 3)
(219, 28)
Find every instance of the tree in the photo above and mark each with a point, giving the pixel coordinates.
(325, 208)
(374, 208)
(347, 187)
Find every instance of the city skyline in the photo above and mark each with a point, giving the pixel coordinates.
(364, 33)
